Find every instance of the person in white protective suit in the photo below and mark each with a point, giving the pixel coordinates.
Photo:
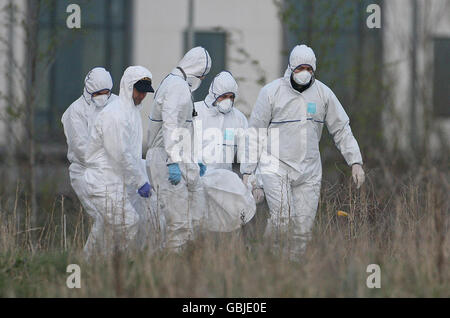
(220, 128)
(296, 107)
(115, 177)
(77, 120)
(171, 168)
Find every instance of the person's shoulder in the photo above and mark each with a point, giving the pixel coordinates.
(79, 104)
(76, 108)
(174, 81)
(272, 87)
(322, 86)
(273, 84)
(241, 117)
(172, 86)
(109, 108)
(239, 114)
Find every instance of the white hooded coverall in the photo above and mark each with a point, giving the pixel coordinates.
(231, 124)
(77, 120)
(293, 190)
(172, 110)
(230, 203)
(115, 170)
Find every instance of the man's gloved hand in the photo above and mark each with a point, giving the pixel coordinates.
(258, 194)
(174, 173)
(202, 169)
(250, 181)
(145, 190)
(358, 175)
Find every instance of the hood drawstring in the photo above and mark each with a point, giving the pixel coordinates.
(194, 112)
(182, 71)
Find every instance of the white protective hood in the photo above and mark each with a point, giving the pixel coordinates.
(131, 75)
(196, 62)
(98, 79)
(223, 83)
(301, 54)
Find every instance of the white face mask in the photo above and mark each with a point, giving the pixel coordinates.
(194, 83)
(101, 100)
(225, 106)
(302, 78)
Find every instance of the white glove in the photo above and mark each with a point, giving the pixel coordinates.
(258, 194)
(358, 175)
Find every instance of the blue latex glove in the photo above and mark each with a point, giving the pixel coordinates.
(174, 173)
(202, 169)
(144, 191)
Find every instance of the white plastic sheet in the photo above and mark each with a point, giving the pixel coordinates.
(230, 202)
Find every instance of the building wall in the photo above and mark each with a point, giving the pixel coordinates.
(433, 21)
(251, 25)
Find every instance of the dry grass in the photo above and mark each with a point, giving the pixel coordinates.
(400, 223)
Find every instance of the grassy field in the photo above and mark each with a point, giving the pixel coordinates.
(399, 221)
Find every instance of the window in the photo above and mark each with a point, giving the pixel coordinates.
(215, 44)
(102, 41)
(441, 80)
